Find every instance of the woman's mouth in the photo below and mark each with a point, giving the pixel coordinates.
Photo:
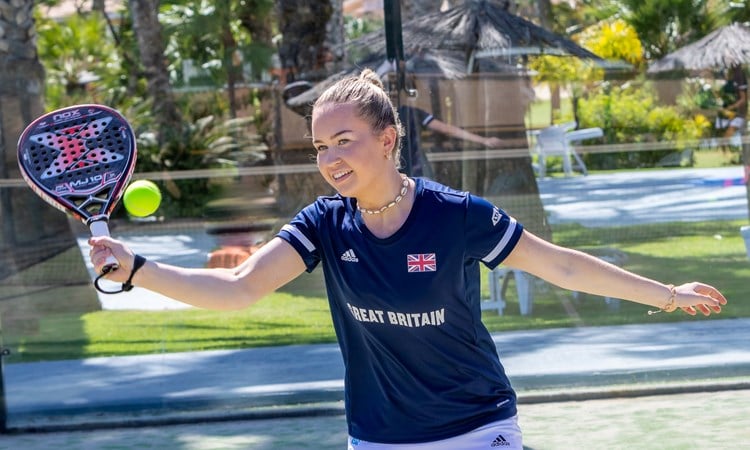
(338, 176)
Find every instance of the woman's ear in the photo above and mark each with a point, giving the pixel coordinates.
(388, 141)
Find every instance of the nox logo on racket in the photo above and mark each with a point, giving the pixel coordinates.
(66, 115)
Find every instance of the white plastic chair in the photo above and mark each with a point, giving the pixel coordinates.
(552, 141)
(498, 283)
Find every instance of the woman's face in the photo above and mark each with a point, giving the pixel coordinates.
(350, 155)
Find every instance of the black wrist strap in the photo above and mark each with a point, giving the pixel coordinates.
(138, 262)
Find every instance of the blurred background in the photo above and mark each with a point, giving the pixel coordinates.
(605, 114)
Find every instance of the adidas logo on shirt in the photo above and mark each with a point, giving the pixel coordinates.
(500, 442)
(349, 256)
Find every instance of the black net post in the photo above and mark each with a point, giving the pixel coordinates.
(394, 47)
(3, 403)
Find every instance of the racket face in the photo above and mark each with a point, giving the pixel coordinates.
(79, 159)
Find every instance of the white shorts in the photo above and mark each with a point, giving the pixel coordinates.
(500, 435)
(737, 123)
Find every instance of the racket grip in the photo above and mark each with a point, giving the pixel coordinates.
(100, 228)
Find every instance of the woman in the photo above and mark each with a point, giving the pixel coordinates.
(401, 261)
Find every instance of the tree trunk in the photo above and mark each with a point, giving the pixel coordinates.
(232, 60)
(555, 101)
(511, 182)
(411, 9)
(335, 37)
(251, 17)
(545, 13)
(544, 8)
(304, 52)
(147, 30)
(32, 231)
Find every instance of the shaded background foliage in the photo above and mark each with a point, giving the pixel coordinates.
(231, 46)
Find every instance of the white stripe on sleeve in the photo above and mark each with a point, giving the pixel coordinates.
(503, 241)
(300, 237)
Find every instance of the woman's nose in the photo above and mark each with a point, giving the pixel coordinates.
(329, 157)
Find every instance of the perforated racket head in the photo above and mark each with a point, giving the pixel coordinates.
(79, 159)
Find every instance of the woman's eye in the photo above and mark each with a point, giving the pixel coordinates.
(339, 143)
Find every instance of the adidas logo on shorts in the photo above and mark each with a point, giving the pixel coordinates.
(499, 442)
(349, 256)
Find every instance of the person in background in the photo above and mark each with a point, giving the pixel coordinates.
(401, 258)
(414, 121)
(732, 116)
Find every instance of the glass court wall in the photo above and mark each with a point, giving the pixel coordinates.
(666, 206)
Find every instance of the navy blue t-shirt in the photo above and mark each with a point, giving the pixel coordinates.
(420, 364)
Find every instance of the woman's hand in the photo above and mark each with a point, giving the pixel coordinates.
(103, 247)
(493, 142)
(695, 296)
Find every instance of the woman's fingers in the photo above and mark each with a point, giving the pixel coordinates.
(102, 248)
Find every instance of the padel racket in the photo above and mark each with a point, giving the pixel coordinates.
(79, 159)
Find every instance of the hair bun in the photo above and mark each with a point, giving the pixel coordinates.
(370, 76)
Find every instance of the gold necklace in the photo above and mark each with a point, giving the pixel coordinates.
(399, 197)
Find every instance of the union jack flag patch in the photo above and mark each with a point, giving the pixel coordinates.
(421, 262)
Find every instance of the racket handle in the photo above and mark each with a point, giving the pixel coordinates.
(100, 228)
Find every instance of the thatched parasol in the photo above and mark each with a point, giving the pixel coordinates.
(460, 40)
(725, 47)
(477, 28)
(448, 65)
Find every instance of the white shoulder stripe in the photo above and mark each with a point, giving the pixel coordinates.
(503, 241)
(300, 237)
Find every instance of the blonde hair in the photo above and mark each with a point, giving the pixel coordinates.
(373, 104)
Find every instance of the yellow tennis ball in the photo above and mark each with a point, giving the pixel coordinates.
(142, 198)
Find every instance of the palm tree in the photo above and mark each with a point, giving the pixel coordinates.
(302, 51)
(25, 218)
(147, 30)
(336, 36)
(32, 232)
(304, 54)
(220, 37)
